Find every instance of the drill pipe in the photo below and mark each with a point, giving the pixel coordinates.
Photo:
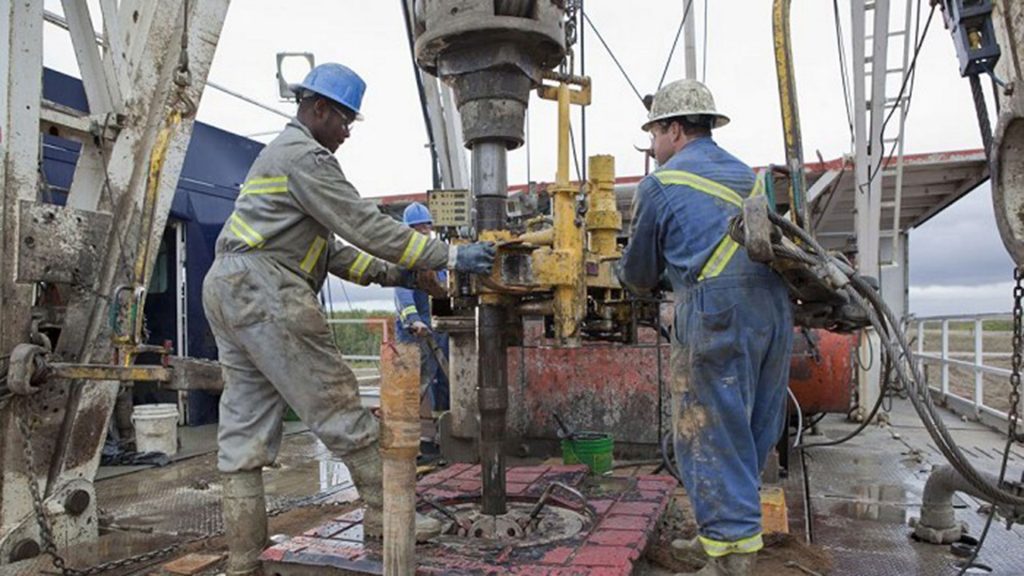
(490, 187)
(399, 442)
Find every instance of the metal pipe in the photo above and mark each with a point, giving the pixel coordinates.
(790, 110)
(938, 523)
(399, 443)
(490, 184)
(492, 398)
(490, 187)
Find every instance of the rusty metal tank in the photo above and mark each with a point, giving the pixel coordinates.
(821, 374)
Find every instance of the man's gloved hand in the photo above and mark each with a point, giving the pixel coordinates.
(477, 258)
(419, 329)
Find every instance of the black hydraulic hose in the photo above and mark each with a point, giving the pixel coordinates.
(666, 460)
(879, 314)
(921, 400)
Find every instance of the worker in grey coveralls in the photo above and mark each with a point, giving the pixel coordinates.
(733, 329)
(260, 297)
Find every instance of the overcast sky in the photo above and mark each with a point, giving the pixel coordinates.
(958, 264)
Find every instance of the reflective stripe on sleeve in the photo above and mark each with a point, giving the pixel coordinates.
(272, 185)
(413, 250)
(411, 309)
(718, 548)
(313, 254)
(245, 232)
(358, 268)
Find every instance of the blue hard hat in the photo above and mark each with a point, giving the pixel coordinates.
(416, 213)
(337, 82)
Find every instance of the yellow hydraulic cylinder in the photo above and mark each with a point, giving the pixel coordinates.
(570, 298)
(603, 219)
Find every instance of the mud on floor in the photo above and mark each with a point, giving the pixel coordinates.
(776, 559)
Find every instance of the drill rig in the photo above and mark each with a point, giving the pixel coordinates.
(557, 265)
(75, 274)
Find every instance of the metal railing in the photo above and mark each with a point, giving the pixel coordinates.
(368, 378)
(965, 395)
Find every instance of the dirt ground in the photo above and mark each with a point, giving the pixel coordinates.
(776, 559)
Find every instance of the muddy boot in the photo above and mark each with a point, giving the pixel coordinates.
(729, 565)
(368, 476)
(245, 521)
(690, 551)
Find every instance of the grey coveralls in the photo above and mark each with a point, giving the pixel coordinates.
(260, 297)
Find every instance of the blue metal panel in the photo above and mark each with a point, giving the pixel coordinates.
(215, 167)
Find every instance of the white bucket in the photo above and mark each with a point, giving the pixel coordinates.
(156, 428)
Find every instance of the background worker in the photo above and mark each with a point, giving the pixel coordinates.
(413, 323)
(733, 327)
(260, 297)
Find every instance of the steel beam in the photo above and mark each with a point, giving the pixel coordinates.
(102, 100)
(21, 35)
(690, 38)
(72, 419)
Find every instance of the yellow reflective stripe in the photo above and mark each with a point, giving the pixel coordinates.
(313, 254)
(758, 185)
(413, 250)
(246, 232)
(718, 548)
(406, 311)
(270, 180)
(359, 266)
(699, 183)
(273, 185)
(719, 258)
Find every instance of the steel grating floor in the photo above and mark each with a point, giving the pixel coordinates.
(863, 494)
(155, 507)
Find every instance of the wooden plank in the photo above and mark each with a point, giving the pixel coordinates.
(192, 563)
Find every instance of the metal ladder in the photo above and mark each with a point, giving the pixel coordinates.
(871, 110)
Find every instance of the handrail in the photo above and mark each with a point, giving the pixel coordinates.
(974, 406)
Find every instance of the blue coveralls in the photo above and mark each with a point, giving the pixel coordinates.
(732, 339)
(412, 306)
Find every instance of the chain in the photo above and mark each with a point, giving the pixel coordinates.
(1018, 339)
(571, 8)
(313, 501)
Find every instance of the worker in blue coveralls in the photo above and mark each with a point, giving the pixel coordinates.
(413, 322)
(733, 324)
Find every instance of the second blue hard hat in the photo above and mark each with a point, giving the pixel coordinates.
(337, 82)
(416, 213)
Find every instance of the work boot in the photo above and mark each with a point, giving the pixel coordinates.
(728, 565)
(690, 551)
(245, 521)
(368, 476)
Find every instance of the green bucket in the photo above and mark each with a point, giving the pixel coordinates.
(591, 448)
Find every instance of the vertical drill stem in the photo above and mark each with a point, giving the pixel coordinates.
(490, 186)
